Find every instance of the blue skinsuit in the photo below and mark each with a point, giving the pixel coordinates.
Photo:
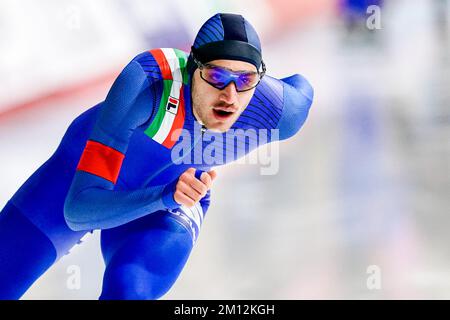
(146, 237)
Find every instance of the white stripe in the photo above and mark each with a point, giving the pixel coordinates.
(192, 213)
(164, 130)
(175, 90)
(194, 236)
(169, 117)
(197, 218)
(200, 210)
(174, 64)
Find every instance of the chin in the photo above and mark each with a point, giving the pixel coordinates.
(218, 129)
(220, 126)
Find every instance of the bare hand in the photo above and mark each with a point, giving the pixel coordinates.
(189, 190)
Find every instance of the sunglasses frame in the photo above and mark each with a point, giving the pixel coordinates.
(201, 66)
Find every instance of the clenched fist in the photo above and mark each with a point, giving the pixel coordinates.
(189, 190)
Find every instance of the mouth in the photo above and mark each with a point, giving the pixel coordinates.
(221, 114)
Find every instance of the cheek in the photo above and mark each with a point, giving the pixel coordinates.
(208, 95)
(203, 99)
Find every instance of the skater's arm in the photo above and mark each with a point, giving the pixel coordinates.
(101, 209)
(279, 106)
(92, 202)
(297, 99)
(96, 208)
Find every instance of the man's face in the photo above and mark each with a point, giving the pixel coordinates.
(219, 109)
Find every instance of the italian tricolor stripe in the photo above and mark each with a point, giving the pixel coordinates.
(163, 64)
(171, 112)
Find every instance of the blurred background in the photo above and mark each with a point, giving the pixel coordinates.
(359, 208)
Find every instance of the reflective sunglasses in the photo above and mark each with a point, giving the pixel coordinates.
(220, 77)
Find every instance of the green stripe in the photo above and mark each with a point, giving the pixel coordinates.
(156, 123)
(182, 58)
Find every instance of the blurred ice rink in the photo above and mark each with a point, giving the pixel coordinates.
(365, 184)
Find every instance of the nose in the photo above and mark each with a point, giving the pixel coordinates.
(229, 93)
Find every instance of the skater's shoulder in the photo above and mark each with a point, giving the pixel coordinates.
(162, 63)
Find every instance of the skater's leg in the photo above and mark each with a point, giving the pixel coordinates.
(25, 253)
(145, 257)
(33, 232)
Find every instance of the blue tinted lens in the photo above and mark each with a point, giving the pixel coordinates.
(246, 81)
(217, 76)
(221, 77)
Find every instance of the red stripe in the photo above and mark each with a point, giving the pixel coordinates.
(101, 160)
(164, 66)
(178, 123)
